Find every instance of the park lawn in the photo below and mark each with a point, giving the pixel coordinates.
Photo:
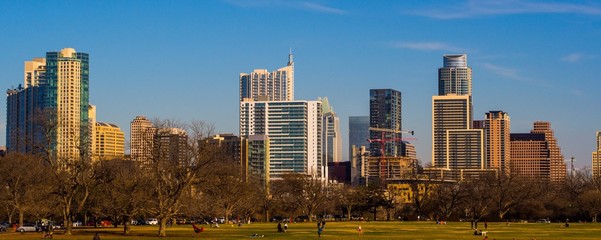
(343, 231)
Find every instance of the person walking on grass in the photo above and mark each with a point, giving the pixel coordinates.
(360, 230)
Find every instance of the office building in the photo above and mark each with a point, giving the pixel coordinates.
(455, 77)
(141, 139)
(557, 163)
(56, 88)
(358, 157)
(465, 149)
(109, 142)
(450, 112)
(262, 85)
(497, 139)
(294, 132)
(358, 132)
(170, 146)
(536, 155)
(596, 163)
(385, 121)
(332, 138)
(256, 162)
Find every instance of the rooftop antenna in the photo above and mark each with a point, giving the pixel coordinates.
(290, 59)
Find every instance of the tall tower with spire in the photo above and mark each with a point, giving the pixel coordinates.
(262, 85)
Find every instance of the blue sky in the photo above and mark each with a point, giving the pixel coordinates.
(536, 60)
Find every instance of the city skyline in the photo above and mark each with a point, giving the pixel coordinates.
(545, 70)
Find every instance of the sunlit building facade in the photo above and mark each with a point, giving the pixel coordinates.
(262, 85)
(109, 142)
(141, 139)
(294, 131)
(596, 163)
(497, 139)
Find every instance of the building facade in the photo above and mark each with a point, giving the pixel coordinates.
(536, 155)
(557, 162)
(450, 112)
(262, 85)
(56, 94)
(497, 141)
(385, 113)
(596, 162)
(294, 130)
(141, 139)
(109, 142)
(358, 132)
(332, 138)
(170, 146)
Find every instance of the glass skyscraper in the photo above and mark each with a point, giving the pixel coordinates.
(385, 114)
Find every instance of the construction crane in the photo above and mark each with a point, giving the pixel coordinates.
(383, 140)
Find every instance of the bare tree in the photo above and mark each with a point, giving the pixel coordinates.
(447, 197)
(23, 177)
(508, 191)
(304, 192)
(122, 192)
(348, 198)
(173, 168)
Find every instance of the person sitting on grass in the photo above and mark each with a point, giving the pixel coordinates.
(477, 232)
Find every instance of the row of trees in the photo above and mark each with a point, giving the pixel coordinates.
(208, 183)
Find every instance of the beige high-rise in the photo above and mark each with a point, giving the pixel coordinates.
(596, 163)
(141, 139)
(109, 141)
(497, 138)
(262, 85)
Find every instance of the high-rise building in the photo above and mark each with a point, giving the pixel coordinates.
(537, 155)
(450, 112)
(358, 132)
(141, 139)
(23, 119)
(262, 85)
(109, 142)
(56, 88)
(497, 139)
(358, 156)
(455, 77)
(332, 140)
(530, 156)
(294, 131)
(257, 157)
(558, 165)
(385, 114)
(596, 163)
(170, 146)
(465, 149)
(65, 90)
(35, 70)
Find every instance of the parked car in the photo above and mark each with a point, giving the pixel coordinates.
(77, 224)
(543, 221)
(27, 228)
(152, 221)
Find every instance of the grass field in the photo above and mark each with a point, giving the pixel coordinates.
(344, 231)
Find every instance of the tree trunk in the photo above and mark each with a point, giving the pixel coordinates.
(67, 220)
(266, 215)
(348, 212)
(126, 225)
(21, 214)
(162, 227)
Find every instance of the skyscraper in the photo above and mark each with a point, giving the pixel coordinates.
(536, 154)
(294, 132)
(385, 113)
(450, 112)
(170, 146)
(332, 140)
(262, 85)
(358, 132)
(497, 138)
(557, 163)
(56, 88)
(596, 163)
(65, 89)
(141, 139)
(455, 77)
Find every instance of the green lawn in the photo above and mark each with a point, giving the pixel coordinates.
(344, 231)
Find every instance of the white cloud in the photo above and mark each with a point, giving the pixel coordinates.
(304, 5)
(476, 8)
(574, 57)
(427, 46)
